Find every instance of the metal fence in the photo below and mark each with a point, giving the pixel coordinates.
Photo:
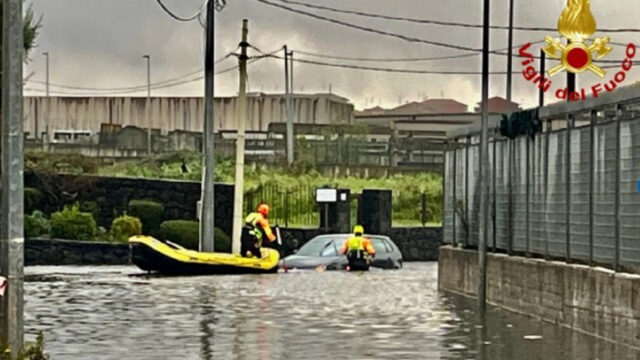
(570, 193)
(295, 207)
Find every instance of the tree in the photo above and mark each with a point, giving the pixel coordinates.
(31, 27)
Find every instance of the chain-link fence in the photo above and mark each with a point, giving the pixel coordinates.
(570, 192)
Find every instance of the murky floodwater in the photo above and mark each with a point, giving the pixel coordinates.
(105, 313)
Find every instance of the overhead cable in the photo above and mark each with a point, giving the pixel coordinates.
(437, 22)
(180, 18)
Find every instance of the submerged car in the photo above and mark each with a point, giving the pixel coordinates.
(324, 251)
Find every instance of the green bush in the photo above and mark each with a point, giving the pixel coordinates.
(35, 224)
(73, 224)
(182, 232)
(32, 200)
(90, 207)
(149, 212)
(124, 227)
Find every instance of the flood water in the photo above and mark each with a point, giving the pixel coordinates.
(104, 313)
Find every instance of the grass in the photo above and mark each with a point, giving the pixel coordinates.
(406, 188)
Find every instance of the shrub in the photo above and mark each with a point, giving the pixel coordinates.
(149, 212)
(73, 224)
(182, 232)
(124, 227)
(90, 207)
(35, 224)
(32, 199)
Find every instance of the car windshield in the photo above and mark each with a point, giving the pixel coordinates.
(321, 246)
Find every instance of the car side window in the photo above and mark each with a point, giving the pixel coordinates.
(330, 249)
(379, 245)
(389, 246)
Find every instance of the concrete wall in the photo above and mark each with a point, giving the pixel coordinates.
(593, 300)
(181, 113)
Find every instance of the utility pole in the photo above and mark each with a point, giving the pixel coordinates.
(291, 140)
(510, 52)
(11, 228)
(287, 87)
(148, 107)
(242, 113)
(207, 241)
(48, 107)
(484, 167)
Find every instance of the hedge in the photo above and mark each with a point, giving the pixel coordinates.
(149, 212)
(124, 227)
(72, 224)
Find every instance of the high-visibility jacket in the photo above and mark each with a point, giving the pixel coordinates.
(358, 243)
(259, 226)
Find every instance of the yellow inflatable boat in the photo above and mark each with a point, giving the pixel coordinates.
(154, 255)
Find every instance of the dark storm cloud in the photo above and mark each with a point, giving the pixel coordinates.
(99, 43)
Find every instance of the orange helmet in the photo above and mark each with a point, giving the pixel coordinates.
(263, 209)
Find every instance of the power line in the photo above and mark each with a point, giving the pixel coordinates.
(132, 88)
(179, 18)
(417, 59)
(156, 86)
(437, 22)
(390, 70)
(372, 30)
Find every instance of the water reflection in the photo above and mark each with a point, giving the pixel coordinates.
(103, 313)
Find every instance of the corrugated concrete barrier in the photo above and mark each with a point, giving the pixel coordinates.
(594, 300)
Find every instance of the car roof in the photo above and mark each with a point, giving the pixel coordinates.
(348, 234)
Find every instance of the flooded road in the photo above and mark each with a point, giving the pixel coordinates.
(105, 313)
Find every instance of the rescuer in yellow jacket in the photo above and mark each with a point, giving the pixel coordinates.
(256, 227)
(359, 250)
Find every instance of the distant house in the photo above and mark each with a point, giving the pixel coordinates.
(430, 106)
(500, 105)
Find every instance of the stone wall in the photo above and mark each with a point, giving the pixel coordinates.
(594, 300)
(66, 252)
(112, 194)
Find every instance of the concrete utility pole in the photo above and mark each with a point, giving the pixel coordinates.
(148, 107)
(242, 113)
(510, 52)
(11, 230)
(46, 118)
(484, 167)
(291, 140)
(207, 241)
(287, 87)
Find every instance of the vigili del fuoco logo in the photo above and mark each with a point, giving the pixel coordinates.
(577, 26)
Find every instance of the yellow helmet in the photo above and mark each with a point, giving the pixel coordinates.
(358, 229)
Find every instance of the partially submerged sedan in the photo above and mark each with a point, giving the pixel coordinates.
(323, 252)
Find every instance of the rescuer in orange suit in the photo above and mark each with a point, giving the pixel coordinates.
(256, 227)
(359, 250)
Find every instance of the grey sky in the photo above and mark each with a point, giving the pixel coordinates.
(99, 43)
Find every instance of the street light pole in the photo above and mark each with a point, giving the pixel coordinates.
(48, 107)
(484, 166)
(11, 229)
(148, 107)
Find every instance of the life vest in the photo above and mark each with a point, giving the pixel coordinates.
(251, 222)
(356, 243)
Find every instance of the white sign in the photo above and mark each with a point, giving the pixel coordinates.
(3, 285)
(326, 195)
